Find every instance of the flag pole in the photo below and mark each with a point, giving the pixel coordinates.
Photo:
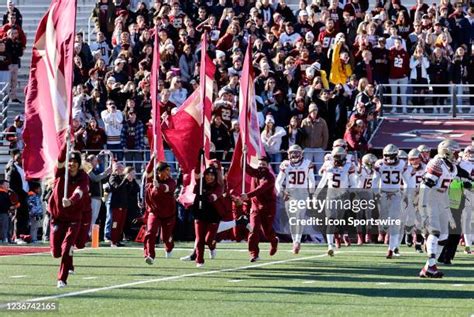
(156, 120)
(203, 100)
(69, 111)
(244, 141)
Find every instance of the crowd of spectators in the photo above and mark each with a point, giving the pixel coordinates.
(318, 69)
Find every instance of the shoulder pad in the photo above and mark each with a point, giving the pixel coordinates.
(284, 165)
(378, 164)
(327, 157)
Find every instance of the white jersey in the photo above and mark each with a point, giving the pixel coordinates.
(328, 158)
(295, 176)
(468, 166)
(338, 176)
(103, 48)
(389, 177)
(365, 178)
(439, 172)
(414, 176)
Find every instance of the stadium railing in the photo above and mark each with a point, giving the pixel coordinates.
(457, 100)
(4, 105)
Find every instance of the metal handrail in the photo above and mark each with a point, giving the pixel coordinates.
(89, 30)
(4, 106)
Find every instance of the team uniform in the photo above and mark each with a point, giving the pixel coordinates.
(466, 218)
(388, 180)
(364, 179)
(296, 180)
(338, 178)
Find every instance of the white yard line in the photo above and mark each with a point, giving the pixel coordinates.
(168, 278)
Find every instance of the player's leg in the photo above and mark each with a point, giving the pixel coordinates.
(466, 222)
(200, 228)
(394, 209)
(72, 229)
(82, 236)
(211, 239)
(149, 242)
(384, 205)
(431, 225)
(269, 232)
(95, 206)
(56, 237)
(254, 235)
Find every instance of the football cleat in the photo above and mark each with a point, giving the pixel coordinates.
(212, 254)
(331, 250)
(254, 259)
(430, 272)
(168, 255)
(199, 264)
(296, 247)
(389, 254)
(360, 239)
(467, 250)
(418, 248)
(190, 257)
(396, 252)
(61, 284)
(274, 246)
(149, 260)
(71, 272)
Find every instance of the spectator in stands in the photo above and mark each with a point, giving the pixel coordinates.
(15, 175)
(100, 48)
(132, 140)
(220, 139)
(419, 65)
(439, 68)
(15, 133)
(13, 24)
(35, 208)
(187, 64)
(178, 94)
(271, 137)
(294, 134)
(11, 9)
(458, 73)
(118, 204)
(79, 131)
(354, 137)
(399, 67)
(104, 16)
(8, 202)
(316, 135)
(15, 47)
(95, 137)
(340, 65)
(5, 61)
(113, 128)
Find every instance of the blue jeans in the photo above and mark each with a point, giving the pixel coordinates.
(276, 160)
(108, 219)
(116, 150)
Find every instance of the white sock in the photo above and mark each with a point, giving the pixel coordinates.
(330, 238)
(432, 245)
(468, 240)
(225, 225)
(297, 238)
(393, 243)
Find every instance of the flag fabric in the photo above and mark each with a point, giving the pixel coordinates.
(157, 147)
(249, 136)
(206, 86)
(48, 99)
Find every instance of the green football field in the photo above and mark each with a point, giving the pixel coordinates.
(358, 281)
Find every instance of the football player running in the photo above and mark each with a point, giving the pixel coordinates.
(467, 163)
(338, 175)
(388, 181)
(425, 153)
(365, 175)
(295, 181)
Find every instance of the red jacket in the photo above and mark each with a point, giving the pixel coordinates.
(160, 200)
(262, 190)
(4, 29)
(78, 189)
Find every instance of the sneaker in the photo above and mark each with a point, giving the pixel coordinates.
(149, 260)
(254, 259)
(360, 239)
(20, 241)
(331, 250)
(347, 241)
(120, 244)
(430, 272)
(71, 272)
(274, 246)
(113, 245)
(467, 250)
(389, 254)
(212, 254)
(168, 255)
(418, 248)
(368, 238)
(199, 264)
(61, 284)
(296, 247)
(396, 252)
(191, 257)
(107, 240)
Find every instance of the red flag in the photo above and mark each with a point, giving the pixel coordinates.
(158, 148)
(49, 95)
(249, 135)
(206, 76)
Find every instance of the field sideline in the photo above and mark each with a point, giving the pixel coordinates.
(117, 281)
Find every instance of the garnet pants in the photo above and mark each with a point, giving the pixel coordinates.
(167, 226)
(205, 234)
(119, 215)
(260, 222)
(62, 238)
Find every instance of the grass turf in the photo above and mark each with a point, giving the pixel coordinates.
(358, 281)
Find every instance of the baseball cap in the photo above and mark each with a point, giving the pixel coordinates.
(20, 117)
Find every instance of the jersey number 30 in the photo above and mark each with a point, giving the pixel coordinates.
(297, 178)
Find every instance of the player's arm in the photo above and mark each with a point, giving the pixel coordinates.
(266, 184)
(280, 182)
(311, 179)
(352, 176)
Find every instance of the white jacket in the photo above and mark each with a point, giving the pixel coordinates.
(272, 144)
(425, 64)
(113, 125)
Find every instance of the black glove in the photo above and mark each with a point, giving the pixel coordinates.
(467, 185)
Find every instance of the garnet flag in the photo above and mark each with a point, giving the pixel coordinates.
(249, 136)
(157, 147)
(49, 93)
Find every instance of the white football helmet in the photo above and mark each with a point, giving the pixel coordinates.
(339, 156)
(469, 153)
(425, 152)
(449, 150)
(368, 160)
(390, 154)
(402, 155)
(414, 158)
(295, 154)
(340, 143)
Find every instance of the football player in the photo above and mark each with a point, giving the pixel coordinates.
(365, 175)
(425, 153)
(467, 163)
(338, 176)
(295, 181)
(434, 201)
(388, 180)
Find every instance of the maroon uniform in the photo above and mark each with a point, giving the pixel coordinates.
(399, 62)
(66, 221)
(161, 212)
(263, 197)
(327, 39)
